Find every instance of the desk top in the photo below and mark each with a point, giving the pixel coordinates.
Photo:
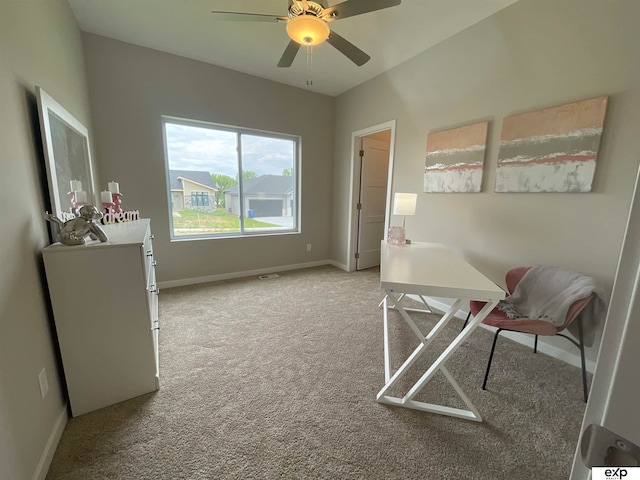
(435, 270)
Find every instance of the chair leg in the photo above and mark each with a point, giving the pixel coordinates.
(493, 348)
(466, 321)
(584, 368)
(535, 345)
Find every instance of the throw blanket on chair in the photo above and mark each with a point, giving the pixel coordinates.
(546, 293)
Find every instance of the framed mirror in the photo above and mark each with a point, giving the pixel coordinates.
(67, 153)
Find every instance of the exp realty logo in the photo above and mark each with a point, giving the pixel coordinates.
(616, 473)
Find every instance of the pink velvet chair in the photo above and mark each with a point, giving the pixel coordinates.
(499, 319)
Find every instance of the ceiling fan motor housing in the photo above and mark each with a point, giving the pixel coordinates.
(306, 26)
(313, 8)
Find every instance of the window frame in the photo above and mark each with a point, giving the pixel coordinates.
(239, 131)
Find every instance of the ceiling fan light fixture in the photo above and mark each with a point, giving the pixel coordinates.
(308, 30)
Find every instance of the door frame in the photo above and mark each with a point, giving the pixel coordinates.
(617, 345)
(373, 149)
(352, 237)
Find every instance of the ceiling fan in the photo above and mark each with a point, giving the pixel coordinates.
(307, 23)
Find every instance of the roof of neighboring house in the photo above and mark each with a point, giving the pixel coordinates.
(198, 176)
(265, 185)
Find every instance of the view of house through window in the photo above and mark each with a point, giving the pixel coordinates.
(208, 195)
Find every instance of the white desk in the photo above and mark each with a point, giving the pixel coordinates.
(430, 269)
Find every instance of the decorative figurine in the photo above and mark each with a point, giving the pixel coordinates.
(74, 231)
(117, 202)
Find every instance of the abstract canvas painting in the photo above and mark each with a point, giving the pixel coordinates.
(551, 150)
(455, 159)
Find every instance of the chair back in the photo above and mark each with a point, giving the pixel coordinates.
(514, 276)
(574, 310)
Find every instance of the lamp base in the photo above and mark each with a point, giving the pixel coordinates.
(397, 236)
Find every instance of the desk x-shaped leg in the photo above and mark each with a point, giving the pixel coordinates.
(391, 380)
(402, 295)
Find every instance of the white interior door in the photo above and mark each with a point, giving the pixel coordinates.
(374, 170)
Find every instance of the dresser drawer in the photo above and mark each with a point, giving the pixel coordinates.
(147, 251)
(152, 294)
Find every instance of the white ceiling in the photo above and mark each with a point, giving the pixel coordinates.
(187, 28)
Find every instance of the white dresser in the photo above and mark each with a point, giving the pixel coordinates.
(105, 305)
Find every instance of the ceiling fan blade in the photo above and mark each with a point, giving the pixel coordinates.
(289, 54)
(348, 49)
(247, 17)
(357, 7)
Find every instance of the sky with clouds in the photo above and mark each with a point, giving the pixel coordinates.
(201, 148)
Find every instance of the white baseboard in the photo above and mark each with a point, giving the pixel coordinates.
(522, 338)
(246, 273)
(52, 444)
(341, 266)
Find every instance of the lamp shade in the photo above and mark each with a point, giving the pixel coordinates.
(404, 203)
(308, 30)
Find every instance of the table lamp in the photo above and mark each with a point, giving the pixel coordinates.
(403, 204)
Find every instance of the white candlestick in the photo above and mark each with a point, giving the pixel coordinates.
(81, 196)
(114, 187)
(105, 196)
(76, 185)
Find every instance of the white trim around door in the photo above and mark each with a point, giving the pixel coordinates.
(352, 237)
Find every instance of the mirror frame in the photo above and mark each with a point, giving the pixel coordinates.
(67, 153)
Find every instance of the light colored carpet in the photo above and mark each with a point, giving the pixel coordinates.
(278, 378)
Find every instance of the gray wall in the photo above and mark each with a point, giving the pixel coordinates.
(132, 87)
(40, 44)
(534, 54)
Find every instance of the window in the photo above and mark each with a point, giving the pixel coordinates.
(199, 199)
(208, 195)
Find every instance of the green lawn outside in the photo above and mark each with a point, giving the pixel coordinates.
(218, 221)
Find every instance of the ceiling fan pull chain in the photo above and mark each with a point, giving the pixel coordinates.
(309, 65)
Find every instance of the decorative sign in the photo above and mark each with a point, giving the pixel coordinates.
(111, 216)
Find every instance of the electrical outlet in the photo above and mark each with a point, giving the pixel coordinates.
(308, 247)
(44, 383)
